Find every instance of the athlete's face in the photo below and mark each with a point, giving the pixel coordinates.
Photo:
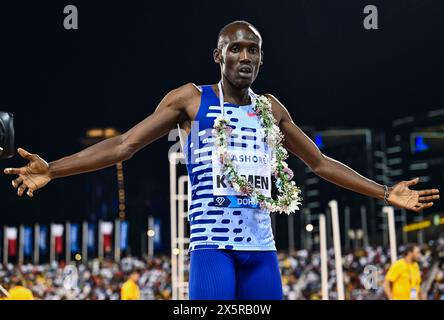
(240, 57)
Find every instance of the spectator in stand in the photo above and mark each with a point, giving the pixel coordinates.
(130, 290)
(403, 280)
(18, 291)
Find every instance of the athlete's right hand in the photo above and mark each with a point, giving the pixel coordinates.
(33, 176)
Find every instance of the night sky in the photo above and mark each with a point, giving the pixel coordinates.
(319, 61)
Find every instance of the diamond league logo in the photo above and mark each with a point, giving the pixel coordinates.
(220, 200)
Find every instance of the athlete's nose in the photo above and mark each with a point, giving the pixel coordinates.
(245, 57)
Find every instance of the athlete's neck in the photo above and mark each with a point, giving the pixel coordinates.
(234, 94)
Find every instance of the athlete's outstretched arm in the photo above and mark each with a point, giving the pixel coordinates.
(298, 143)
(172, 109)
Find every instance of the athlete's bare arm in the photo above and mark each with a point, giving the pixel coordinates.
(298, 143)
(178, 106)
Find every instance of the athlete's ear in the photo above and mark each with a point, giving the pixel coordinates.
(262, 58)
(217, 55)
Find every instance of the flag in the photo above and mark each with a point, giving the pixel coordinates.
(27, 241)
(124, 226)
(57, 233)
(75, 228)
(11, 235)
(43, 247)
(91, 237)
(106, 230)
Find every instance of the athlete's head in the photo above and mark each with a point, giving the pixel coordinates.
(412, 252)
(239, 53)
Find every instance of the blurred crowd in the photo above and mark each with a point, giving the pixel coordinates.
(92, 281)
(363, 272)
(301, 276)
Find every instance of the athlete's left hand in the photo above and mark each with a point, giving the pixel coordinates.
(415, 200)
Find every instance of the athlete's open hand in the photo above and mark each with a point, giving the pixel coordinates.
(415, 200)
(33, 176)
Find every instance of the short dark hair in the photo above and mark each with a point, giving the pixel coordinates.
(410, 247)
(224, 28)
(133, 271)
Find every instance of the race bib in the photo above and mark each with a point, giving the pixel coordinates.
(254, 166)
(413, 294)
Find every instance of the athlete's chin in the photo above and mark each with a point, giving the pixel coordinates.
(244, 82)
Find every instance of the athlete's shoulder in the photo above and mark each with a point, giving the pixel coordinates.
(183, 96)
(279, 110)
(188, 90)
(274, 101)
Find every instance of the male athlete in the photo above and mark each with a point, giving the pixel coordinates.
(232, 250)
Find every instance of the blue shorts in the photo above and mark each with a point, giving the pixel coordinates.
(217, 274)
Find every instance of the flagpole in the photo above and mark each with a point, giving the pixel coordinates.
(323, 256)
(100, 242)
(150, 237)
(68, 242)
(51, 244)
(36, 243)
(333, 204)
(21, 238)
(85, 241)
(117, 241)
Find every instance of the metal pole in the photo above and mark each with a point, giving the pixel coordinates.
(51, 244)
(150, 237)
(364, 225)
(324, 257)
(117, 241)
(85, 241)
(333, 204)
(392, 232)
(21, 238)
(68, 242)
(182, 197)
(36, 244)
(100, 242)
(173, 157)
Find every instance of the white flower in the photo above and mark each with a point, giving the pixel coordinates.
(288, 198)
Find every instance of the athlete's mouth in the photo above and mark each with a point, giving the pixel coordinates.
(245, 69)
(245, 72)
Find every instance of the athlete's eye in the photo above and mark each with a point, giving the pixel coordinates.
(235, 49)
(254, 50)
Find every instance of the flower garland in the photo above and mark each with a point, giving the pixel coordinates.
(288, 198)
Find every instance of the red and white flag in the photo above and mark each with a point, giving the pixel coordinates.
(11, 235)
(57, 233)
(106, 230)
